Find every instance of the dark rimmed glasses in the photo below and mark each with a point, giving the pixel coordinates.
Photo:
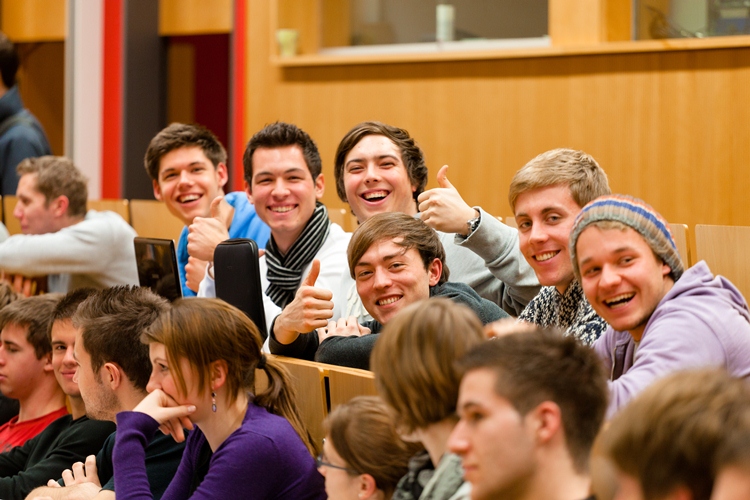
(320, 462)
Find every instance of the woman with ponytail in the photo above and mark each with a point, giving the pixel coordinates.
(204, 354)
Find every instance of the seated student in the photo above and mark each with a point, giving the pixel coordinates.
(531, 405)
(363, 456)
(663, 444)
(8, 407)
(395, 260)
(113, 370)
(187, 165)
(632, 275)
(69, 438)
(380, 168)
(204, 354)
(415, 373)
(77, 248)
(26, 372)
(283, 180)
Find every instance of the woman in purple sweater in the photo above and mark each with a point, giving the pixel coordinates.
(204, 355)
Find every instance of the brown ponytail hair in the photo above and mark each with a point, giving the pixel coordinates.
(206, 330)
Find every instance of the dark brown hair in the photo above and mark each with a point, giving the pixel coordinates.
(363, 434)
(57, 176)
(405, 231)
(9, 61)
(111, 323)
(68, 305)
(182, 135)
(206, 330)
(413, 360)
(279, 135)
(542, 365)
(34, 314)
(411, 154)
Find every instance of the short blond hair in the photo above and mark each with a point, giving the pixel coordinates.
(561, 167)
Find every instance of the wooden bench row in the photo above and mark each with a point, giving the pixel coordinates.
(321, 388)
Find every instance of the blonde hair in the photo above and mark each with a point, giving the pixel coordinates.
(561, 167)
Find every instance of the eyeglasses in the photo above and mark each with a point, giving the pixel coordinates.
(319, 461)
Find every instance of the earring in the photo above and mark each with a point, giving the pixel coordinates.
(213, 401)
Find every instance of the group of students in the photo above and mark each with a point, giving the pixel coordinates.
(407, 295)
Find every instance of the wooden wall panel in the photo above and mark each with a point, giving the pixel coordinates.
(670, 127)
(34, 20)
(194, 17)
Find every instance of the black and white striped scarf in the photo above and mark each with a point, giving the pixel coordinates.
(285, 271)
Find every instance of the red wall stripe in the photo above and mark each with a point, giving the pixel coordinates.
(239, 51)
(112, 100)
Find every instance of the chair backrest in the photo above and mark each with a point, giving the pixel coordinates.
(680, 235)
(9, 204)
(308, 379)
(120, 207)
(151, 219)
(347, 383)
(723, 249)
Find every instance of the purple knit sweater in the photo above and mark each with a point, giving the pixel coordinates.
(263, 459)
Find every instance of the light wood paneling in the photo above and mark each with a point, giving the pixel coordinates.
(181, 83)
(580, 22)
(152, 219)
(302, 16)
(723, 249)
(11, 223)
(680, 234)
(347, 383)
(668, 127)
(120, 207)
(34, 20)
(194, 17)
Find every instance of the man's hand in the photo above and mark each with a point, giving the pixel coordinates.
(443, 208)
(344, 327)
(207, 232)
(195, 270)
(172, 418)
(311, 308)
(23, 284)
(81, 473)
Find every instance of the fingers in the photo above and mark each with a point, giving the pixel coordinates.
(216, 206)
(312, 276)
(92, 473)
(52, 484)
(442, 177)
(67, 477)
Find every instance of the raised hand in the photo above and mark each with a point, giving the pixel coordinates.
(205, 233)
(311, 308)
(443, 209)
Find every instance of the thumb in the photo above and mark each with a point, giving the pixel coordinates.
(442, 177)
(312, 276)
(216, 206)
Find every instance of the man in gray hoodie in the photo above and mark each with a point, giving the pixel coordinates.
(662, 318)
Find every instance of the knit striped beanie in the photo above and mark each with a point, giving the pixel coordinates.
(635, 214)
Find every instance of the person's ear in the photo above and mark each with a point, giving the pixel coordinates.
(546, 421)
(157, 191)
(111, 375)
(59, 205)
(320, 187)
(249, 192)
(218, 370)
(222, 175)
(435, 270)
(665, 270)
(367, 486)
(47, 358)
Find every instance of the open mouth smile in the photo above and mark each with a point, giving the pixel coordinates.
(619, 300)
(375, 196)
(545, 256)
(187, 198)
(388, 300)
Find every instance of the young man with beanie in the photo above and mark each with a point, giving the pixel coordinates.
(662, 318)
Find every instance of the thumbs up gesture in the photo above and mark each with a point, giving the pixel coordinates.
(205, 233)
(311, 308)
(443, 209)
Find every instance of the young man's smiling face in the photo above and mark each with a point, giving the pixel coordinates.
(63, 337)
(376, 180)
(545, 217)
(188, 183)
(284, 192)
(622, 277)
(389, 277)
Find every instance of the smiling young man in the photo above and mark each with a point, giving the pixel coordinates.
(75, 247)
(68, 439)
(395, 260)
(530, 406)
(283, 180)
(26, 371)
(187, 165)
(380, 168)
(662, 318)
